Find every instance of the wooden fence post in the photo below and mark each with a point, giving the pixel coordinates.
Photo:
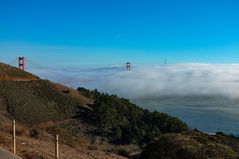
(14, 136)
(56, 147)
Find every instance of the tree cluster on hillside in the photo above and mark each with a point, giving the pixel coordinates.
(124, 122)
(192, 145)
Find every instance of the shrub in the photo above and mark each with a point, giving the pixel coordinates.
(67, 91)
(34, 134)
(2, 140)
(20, 132)
(127, 150)
(179, 146)
(33, 155)
(123, 152)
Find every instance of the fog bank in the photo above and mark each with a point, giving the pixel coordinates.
(157, 80)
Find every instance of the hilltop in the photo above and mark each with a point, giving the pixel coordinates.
(10, 73)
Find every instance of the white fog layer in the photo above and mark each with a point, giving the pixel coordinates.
(178, 79)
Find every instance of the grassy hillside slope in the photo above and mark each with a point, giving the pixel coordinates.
(32, 102)
(12, 73)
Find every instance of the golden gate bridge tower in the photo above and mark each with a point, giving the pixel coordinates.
(21, 63)
(128, 66)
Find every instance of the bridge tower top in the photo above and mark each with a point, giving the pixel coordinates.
(128, 66)
(21, 63)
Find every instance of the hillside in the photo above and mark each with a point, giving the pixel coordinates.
(43, 106)
(14, 74)
(33, 102)
(95, 123)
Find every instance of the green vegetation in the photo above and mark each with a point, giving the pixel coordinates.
(32, 102)
(167, 137)
(124, 122)
(192, 145)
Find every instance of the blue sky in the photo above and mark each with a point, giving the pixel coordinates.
(116, 31)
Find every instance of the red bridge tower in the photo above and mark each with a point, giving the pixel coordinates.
(21, 63)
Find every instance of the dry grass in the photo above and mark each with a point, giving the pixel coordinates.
(43, 148)
(8, 72)
(74, 93)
